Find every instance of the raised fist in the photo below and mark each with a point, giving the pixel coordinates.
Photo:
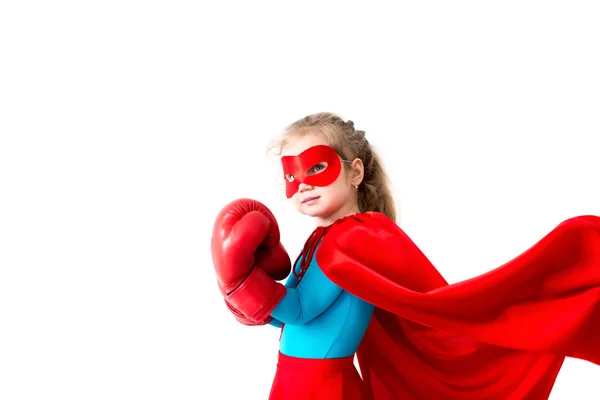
(248, 258)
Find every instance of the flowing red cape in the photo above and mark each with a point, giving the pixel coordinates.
(500, 335)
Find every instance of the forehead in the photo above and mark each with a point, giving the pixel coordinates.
(300, 143)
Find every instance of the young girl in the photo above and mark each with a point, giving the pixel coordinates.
(361, 286)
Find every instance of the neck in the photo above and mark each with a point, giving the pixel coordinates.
(346, 209)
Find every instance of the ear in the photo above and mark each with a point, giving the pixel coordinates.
(357, 171)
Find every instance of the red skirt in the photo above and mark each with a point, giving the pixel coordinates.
(317, 379)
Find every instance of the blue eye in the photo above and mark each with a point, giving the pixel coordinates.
(315, 169)
(290, 177)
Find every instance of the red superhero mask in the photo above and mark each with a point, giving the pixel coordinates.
(297, 169)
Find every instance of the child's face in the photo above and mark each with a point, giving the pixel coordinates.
(320, 201)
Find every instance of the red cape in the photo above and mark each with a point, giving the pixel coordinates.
(501, 335)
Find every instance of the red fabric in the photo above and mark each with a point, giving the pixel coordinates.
(317, 379)
(501, 335)
(300, 167)
(308, 251)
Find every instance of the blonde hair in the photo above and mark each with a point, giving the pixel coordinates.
(374, 193)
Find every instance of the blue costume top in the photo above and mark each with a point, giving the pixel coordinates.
(321, 319)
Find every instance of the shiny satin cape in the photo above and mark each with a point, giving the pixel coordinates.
(501, 335)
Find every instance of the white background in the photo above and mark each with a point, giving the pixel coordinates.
(125, 126)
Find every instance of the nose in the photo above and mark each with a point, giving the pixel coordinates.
(303, 186)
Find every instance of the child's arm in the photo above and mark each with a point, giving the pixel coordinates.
(276, 323)
(291, 282)
(309, 299)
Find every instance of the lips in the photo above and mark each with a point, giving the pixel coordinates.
(310, 198)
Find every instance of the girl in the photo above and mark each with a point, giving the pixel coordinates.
(361, 286)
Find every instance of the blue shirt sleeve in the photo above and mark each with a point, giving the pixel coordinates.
(291, 282)
(313, 295)
(276, 323)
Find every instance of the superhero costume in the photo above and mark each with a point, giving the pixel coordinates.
(321, 319)
(501, 335)
(324, 325)
(298, 168)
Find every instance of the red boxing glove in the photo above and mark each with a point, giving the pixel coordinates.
(241, 318)
(248, 257)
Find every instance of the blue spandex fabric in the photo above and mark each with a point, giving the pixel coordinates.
(321, 320)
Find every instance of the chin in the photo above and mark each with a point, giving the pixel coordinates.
(318, 213)
(312, 211)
